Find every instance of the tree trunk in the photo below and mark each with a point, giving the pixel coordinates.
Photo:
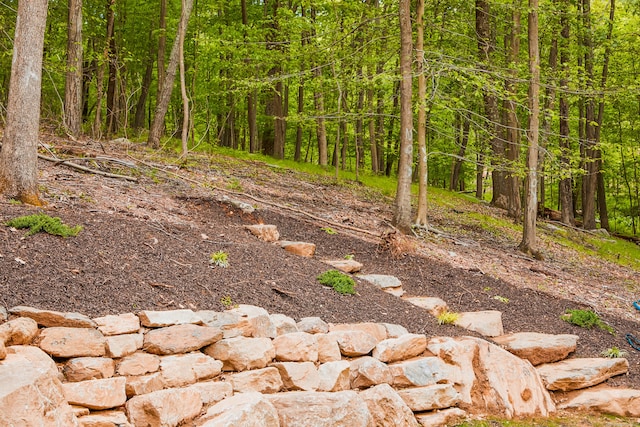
(528, 244)
(73, 82)
(138, 121)
(112, 81)
(565, 192)
(19, 151)
(549, 105)
(157, 125)
(456, 166)
(162, 46)
(318, 100)
(183, 87)
(486, 45)
(402, 206)
(421, 216)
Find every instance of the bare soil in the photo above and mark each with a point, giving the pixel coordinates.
(147, 245)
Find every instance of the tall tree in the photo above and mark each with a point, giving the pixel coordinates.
(19, 151)
(402, 207)
(157, 125)
(73, 85)
(112, 81)
(421, 216)
(182, 29)
(528, 244)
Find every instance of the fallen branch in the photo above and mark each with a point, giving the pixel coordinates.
(87, 169)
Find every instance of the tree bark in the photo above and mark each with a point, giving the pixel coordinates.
(73, 82)
(19, 151)
(528, 244)
(421, 216)
(112, 80)
(402, 207)
(456, 166)
(183, 87)
(138, 121)
(162, 46)
(157, 125)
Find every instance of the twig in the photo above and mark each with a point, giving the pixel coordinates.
(283, 292)
(181, 264)
(160, 285)
(86, 169)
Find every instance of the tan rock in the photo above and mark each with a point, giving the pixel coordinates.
(320, 409)
(283, 324)
(334, 376)
(20, 331)
(30, 391)
(88, 368)
(313, 325)
(243, 409)
(4, 315)
(367, 372)
(345, 265)
(259, 321)
(538, 348)
(80, 411)
(105, 419)
(144, 384)
(138, 363)
(298, 376)
(442, 418)
(328, 348)
(183, 369)
(435, 306)
(437, 396)
(296, 347)
(167, 408)
(422, 371)
(492, 380)
(161, 319)
(231, 324)
(123, 345)
(266, 232)
(387, 407)
(97, 394)
(299, 248)
(389, 284)
(403, 348)
(266, 380)
(3, 350)
(180, 338)
(127, 323)
(573, 374)
(354, 343)
(241, 354)
(394, 331)
(376, 330)
(72, 342)
(51, 319)
(487, 323)
(622, 402)
(212, 391)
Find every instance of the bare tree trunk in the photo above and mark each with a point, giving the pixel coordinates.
(565, 191)
(73, 83)
(402, 206)
(421, 216)
(19, 151)
(162, 46)
(112, 81)
(456, 166)
(138, 121)
(183, 87)
(528, 244)
(157, 125)
(549, 105)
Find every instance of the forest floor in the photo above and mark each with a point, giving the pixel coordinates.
(147, 245)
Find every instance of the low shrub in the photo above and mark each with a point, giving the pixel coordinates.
(42, 222)
(340, 282)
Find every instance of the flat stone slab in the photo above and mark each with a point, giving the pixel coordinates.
(574, 374)
(50, 318)
(389, 284)
(538, 348)
(344, 265)
(299, 248)
(180, 338)
(161, 319)
(487, 323)
(435, 306)
(623, 402)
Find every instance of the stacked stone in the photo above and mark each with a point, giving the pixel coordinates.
(247, 367)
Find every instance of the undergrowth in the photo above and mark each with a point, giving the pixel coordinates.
(340, 282)
(586, 319)
(42, 222)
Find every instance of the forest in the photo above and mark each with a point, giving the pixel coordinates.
(322, 81)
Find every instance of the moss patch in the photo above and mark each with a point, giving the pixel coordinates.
(340, 282)
(42, 222)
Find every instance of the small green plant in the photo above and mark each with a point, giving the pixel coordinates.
(227, 302)
(586, 319)
(220, 259)
(447, 317)
(614, 353)
(329, 230)
(501, 299)
(349, 257)
(234, 185)
(42, 222)
(14, 202)
(340, 282)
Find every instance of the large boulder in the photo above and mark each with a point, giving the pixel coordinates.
(402, 348)
(538, 348)
(622, 402)
(30, 390)
(573, 374)
(166, 408)
(72, 342)
(387, 407)
(296, 347)
(180, 338)
(97, 394)
(243, 409)
(241, 354)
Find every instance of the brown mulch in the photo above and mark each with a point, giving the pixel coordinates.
(147, 245)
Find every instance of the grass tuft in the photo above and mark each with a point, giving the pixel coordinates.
(340, 282)
(42, 222)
